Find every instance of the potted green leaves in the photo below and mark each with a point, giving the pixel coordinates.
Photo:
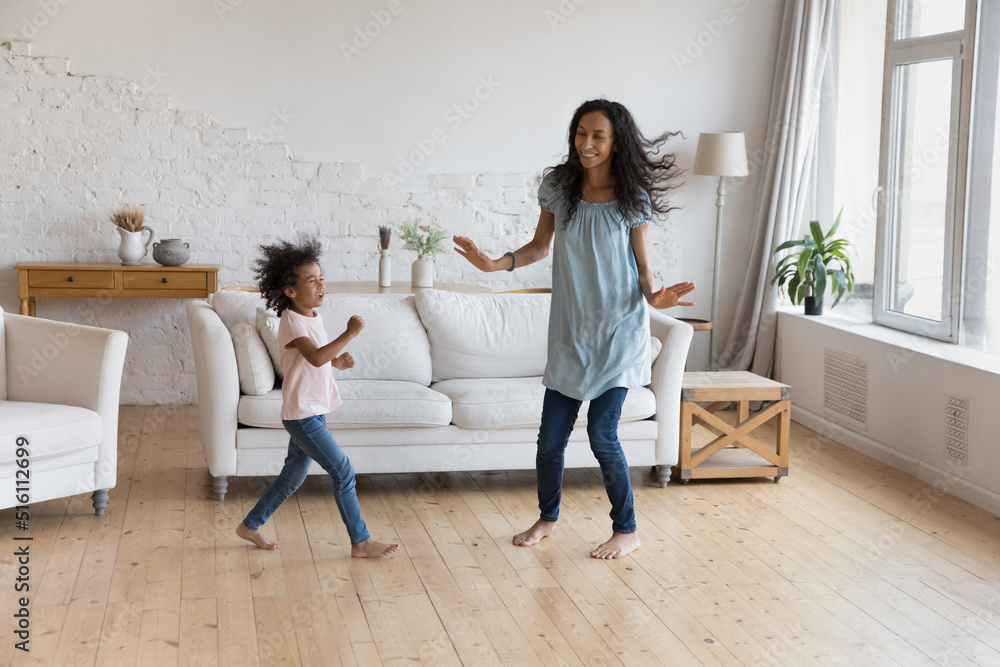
(425, 241)
(821, 261)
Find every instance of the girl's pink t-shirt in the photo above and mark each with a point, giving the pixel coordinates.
(307, 390)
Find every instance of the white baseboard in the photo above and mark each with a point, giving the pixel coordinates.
(978, 495)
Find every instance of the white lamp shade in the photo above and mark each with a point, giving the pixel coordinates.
(721, 154)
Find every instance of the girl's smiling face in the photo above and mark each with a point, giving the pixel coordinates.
(310, 290)
(595, 141)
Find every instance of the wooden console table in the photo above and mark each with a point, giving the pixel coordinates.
(75, 280)
(371, 287)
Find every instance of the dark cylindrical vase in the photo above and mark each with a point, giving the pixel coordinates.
(814, 306)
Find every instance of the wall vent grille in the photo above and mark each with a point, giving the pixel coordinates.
(956, 428)
(845, 386)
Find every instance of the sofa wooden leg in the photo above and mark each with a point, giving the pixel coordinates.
(219, 487)
(100, 499)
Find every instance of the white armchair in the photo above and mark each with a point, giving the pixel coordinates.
(59, 389)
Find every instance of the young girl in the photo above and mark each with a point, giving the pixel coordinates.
(595, 207)
(292, 284)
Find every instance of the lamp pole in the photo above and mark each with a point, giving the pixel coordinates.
(720, 203)
(719, 154)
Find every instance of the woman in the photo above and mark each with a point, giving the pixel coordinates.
(595, 207)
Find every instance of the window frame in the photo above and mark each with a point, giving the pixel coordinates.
(985, 125)
(958, 47)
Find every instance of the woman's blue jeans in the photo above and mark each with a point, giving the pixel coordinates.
(311, 441)
(558, 416)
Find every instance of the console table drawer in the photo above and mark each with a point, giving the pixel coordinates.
(167, 280)
(70, 279)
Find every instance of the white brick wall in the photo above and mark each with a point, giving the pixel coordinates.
(74, 147)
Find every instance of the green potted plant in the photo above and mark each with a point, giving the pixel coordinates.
(425, 241)
(819, 262)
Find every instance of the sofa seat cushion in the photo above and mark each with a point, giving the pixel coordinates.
(53, 432)
(367, 404)
(517, 403)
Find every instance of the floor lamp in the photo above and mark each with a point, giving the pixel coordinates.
(719, 154)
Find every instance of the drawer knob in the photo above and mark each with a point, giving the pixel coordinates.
(70, 279)
(163, 280)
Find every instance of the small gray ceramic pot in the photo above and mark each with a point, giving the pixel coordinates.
(170, 252)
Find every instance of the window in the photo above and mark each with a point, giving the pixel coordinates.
(914, 152)
(926, 103)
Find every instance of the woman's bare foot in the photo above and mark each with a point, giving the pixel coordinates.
(255, 537)
(373, 549)
(534, 534)
(619, 546)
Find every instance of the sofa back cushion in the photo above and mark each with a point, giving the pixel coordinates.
(485, 336)
(253, 363)
(234, 307)
(392, 346)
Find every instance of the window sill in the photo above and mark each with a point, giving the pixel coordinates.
(912, 344)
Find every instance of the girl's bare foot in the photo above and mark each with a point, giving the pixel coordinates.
(373, 549)
(534, 534)
(619, 546)
(255, 537)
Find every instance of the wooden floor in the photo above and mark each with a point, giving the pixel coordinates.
(845, 562)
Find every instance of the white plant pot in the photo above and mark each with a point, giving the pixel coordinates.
(131, 250)
(385, 269)
(422, 274)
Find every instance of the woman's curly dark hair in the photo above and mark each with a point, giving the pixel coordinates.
(279, 268)
(635, 167)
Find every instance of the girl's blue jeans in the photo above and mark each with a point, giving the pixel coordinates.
(558, 416)
(311, 441)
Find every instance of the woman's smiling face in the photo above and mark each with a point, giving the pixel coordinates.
(595, 141)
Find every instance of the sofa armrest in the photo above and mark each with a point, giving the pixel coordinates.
(668, 374)
(218, 387)
(69, 364)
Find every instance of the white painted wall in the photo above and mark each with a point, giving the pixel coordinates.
(909, 377)
(280, 70)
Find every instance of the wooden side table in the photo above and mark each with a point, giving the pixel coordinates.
(734, 452)
(75, 280)
(696, 324)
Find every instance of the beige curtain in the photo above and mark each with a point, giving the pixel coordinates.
(785, 162)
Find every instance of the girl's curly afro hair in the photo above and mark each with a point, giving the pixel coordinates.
(279, 268)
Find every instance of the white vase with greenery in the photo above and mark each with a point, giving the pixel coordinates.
(425, 241)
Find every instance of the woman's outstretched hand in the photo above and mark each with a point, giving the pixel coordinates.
(668, 297)
(467, 249)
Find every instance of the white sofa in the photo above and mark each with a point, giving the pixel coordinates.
(59, 388)
(442, 381)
